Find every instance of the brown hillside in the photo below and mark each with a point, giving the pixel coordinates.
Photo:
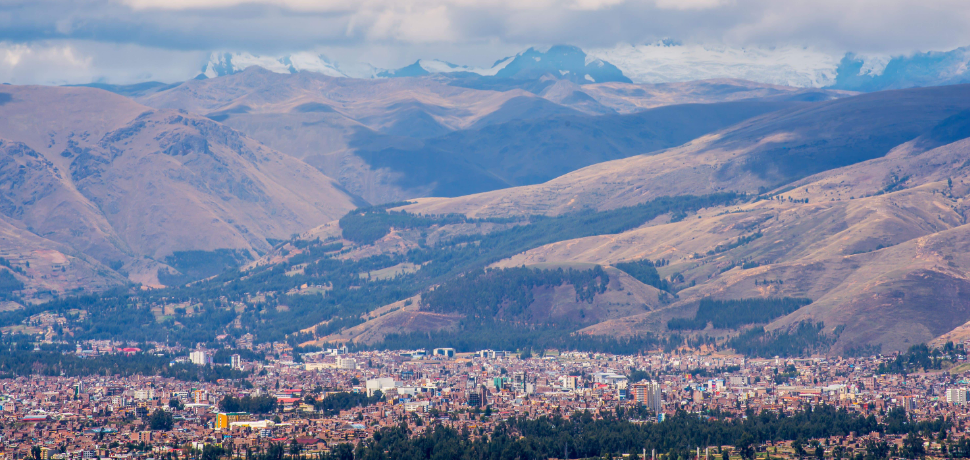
(761, 153)
(866, 262)
(119, 181)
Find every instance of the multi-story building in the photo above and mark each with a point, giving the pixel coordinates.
(648, 394)
(224, 419)
(477, 397)
(380, 384)
(956, 396)
(444, 352)
(346, 363)
(200, 358)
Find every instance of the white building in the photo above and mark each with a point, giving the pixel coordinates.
(414, 406)
(569, 382)
(381, 384)
(346, 363)
(235, 361)
(200, 358)
(956, 396)
(319, 366)
(609, 378)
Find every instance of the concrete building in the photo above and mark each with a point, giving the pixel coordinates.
(225, 419)
(569, 382)
(346, 363)
(381, 384)
(648, 394)
(444, 352)
(200, 358)
(956, 396)
(609, 378)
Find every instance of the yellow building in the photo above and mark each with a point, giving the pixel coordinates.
(223, 419)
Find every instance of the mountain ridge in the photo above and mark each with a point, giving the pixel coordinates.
(664, 61)
(136, 183)
(373, 136)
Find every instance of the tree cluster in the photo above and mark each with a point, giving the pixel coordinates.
(332, 404)
(507, 293)
(587, 434)
(732, 314)
(263, 404)
(644, 271)
(802, 339)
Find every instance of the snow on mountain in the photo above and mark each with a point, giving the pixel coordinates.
(662, 62)
(876, 73)
(434, 66)
(423, 67)
(497, 67)
(670, 61)
(566, 62)
(229, 63)
(570, 62)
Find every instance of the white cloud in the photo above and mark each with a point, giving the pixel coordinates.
(18, 57)
(689, 4)
(595, 4)
(301, 5)
(413, 25)
(783, 65)
(389, 33)
(62, 62)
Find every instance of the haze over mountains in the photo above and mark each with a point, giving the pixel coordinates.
(726, 189)
(872, 239)
(665, 61)
(391, 139)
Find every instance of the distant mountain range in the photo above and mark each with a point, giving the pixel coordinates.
(661, 62)
(562, 61)
(720, 189)
(390, 139)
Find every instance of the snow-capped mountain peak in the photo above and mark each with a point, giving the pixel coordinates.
(663, 61)
(669, 61)
(221, 64)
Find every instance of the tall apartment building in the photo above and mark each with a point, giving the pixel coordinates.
(956, 396)
(478, 397)
(648, 394)
(200, 358)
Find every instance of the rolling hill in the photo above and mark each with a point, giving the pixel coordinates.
(873, 237)
(391, 139)
(526, 152)
(839, 218)
(756, 155)
(127, 186)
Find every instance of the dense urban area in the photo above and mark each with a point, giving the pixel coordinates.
(270, 401)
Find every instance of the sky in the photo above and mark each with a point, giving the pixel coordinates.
(126, 41)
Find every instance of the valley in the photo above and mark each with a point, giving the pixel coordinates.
(323, 210)
(457, 230)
